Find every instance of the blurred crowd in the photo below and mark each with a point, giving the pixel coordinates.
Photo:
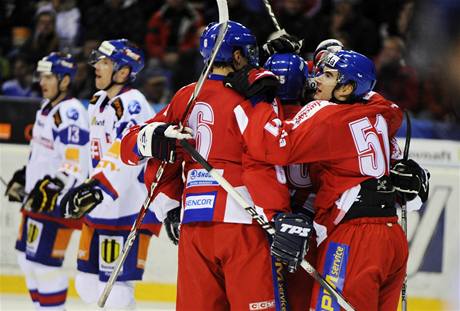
(392, 32)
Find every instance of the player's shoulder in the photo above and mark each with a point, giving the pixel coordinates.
(311, 109)
(70, 110)
(131, 102)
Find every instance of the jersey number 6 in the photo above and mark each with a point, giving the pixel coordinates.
(201, 117)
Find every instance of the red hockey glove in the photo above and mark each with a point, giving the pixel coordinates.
(253, 82)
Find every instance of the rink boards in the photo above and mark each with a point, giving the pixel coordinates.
(433, 270)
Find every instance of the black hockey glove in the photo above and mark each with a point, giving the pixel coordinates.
(81, 200)
(158, 140)
(284, 44)
(15, 190)
(253, 82)
(172, 224)
(45, 193)
(290, 242)
(410, 180)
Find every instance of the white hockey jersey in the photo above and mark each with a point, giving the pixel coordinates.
(59, 145)
(123, 186)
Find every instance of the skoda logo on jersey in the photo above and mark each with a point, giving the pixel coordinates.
(200, 177)
(134, 107)
(110, 250)
(73, 114)
(32, 233)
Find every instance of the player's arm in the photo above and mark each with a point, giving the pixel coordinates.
(156, 138)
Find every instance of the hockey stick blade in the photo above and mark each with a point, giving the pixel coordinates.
(262, 222)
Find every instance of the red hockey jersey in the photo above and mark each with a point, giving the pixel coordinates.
(218, 118)
(347, 143)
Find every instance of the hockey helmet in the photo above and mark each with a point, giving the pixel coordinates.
(122, 53)
(60, 64)
(237, 36)
(292, 73)
(355, 68)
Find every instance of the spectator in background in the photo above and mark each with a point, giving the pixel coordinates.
(114, 19)
(154, 86)
(293, 19)
(67, 22)
(396, 80)
(82, 86)
(21, 84)
(44, 39)
(348, 24)
(171, 31)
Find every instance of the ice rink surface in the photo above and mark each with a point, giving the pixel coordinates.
(23, 303)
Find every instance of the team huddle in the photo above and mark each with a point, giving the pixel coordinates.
(309, 145)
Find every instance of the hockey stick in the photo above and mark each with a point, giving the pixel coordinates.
(223, 20)
(262, 222)
(3, 182)
(404, 207)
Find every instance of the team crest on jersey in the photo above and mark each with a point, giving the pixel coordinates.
(57, 118)
(134, 107)
(117, 105)
(73, 114)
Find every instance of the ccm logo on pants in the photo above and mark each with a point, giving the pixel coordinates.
(263, 305)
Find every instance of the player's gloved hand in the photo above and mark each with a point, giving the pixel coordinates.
(172, 224)
(15, 190)
(81, 200)
(283, 44)
(410, 179)
(252, 82)
(290, 242)
(158, 140)
(45, 193)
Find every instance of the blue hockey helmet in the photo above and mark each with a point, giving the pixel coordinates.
(237, 36)
(292, 72)
(355, 68)
(122, 53)
(60, 64)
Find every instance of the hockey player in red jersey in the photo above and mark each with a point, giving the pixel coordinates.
(351, 141)
(224, 258)
(292, 72)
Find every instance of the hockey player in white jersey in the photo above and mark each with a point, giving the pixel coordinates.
(112, 111)
(58, 161)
